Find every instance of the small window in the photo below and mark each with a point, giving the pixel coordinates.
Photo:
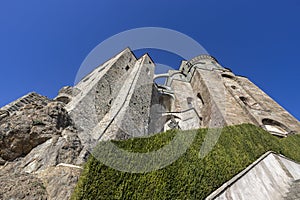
(227, 76)
(189, 102)
(244, 100)
(233, 87)
(102, 68)
(199, 96)
(148, 71)
(127, 68)
(86, 79)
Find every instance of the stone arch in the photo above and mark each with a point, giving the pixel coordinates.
(171, 122)
(275, 127)
(156, 76)
(63, 99)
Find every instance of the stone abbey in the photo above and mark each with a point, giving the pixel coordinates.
(121, 99)
(126, 102)
(46, 142)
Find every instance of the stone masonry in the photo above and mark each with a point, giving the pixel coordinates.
(120, 99)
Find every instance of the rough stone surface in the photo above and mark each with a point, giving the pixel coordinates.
(98, 92)
(34, 140)
(21, 186)
(32, 125)
(294, 191)
(60, 181)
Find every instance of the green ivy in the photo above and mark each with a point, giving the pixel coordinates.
(189, 177)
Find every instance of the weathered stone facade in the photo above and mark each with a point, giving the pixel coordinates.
(120, 99)
(219, 98)
(45, 141)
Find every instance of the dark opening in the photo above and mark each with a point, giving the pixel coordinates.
(189, 101)
(63, 99)
(275, 127)
(227, 76)
(199, 96)
(244, 100)
(127, 68)
(86, 79)
(148, 71)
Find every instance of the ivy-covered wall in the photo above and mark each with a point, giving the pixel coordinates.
(189, 177)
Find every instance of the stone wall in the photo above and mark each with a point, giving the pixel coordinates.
(98, 92)
(207, 85)
(129, 116)
(270, 108)
(236, 112)
(222, 98)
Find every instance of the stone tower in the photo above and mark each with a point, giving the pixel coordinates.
(120, 99)
(218, 97)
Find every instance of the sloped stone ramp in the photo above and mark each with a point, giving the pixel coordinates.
(294, 191)
(271, 177)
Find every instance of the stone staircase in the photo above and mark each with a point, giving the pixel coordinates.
(294, 191)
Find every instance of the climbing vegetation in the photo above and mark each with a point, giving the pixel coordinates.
(189, 177)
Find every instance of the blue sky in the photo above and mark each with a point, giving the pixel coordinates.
(43, 43)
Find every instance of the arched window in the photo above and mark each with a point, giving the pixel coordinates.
(275, 127)
(172, 122)
(63, 99)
